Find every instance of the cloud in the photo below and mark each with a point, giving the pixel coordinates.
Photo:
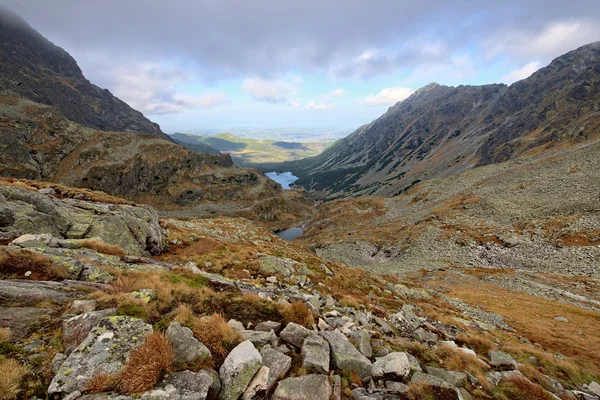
(388, 96)
(269, 90)
(524, 72)
(320, 106)
(338, 92)
(152, 89)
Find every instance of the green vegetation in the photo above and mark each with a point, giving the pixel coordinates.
(251, 151)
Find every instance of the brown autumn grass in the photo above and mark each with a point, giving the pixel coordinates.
(12, 373)
(18, 262)
(522, 389)
(481, 342)
(298, 313)
(420, 391)
(104, 248)
(4, 335)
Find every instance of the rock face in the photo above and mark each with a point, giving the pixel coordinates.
(186, 348)
(135, 229)
(105, 349)
(346, 357)
(38, 70)
(315, 354)
(314, 387)
(238, 369)
(440, 130)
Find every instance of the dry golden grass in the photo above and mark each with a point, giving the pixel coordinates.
(101, 382)
(4, 335)
(298, 313)
(213, 331)
(104, 248)
(522, 389)
(420, 391)
(18, 262)
(12, 373)
(146, 365)
(481, 342)
(456, 360)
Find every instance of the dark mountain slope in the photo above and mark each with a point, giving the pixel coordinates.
(36, 69)
(441, 130)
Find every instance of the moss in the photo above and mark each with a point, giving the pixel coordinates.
(132, 310)
(195, 281)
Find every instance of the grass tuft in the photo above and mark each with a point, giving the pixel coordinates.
(12, 373)
(298, 313)
(18, 262)
(104, 248)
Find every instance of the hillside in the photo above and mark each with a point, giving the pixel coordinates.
(34, 68)
(440, 130)
(251, 152)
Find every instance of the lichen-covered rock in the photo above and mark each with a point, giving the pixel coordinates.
(441, 389)
(362, 340)
(76, 329)
(314, 387)
(187, 350)
(454, 378)
(271, 265)
(259, 338)
(315, 354)
(268, 326)
(145, 295)
(502, 361)
(295, 334)
(257, 388)
(346, 357)
(393, 366)
(83, 306)
(105, 349)
(238, 369)
(278, 363)
(186, 385)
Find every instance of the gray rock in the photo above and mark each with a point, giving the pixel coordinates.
(259, 338)
(315, 354)
(314, 387)
(396, 387)
(76, 329)
(187, 350)
(414, 363)
(440, 387)
(267, 326)
(385, 327)
(496, 377)
(423, 336)
(238, 369)
(337, 388)
(295, 334)
(452, 377)
(278, 363)
(377, 394)
(502, 361)
(393, 366)
(561, 319)
(584, 396)
(57, 362)
(145, 295)
(23, 320)
(346, 357)
(83, 306)
(271, 265)
(37, 240)
(7, 215)
(257, 388)
(75, 395)
(186, 385)
(105, 349)
(362, 340)
(237, 325)
(594, 387)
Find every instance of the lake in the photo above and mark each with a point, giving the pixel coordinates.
(283, 178)
(290, 234)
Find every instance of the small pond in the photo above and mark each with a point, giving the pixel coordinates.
(290, 234)
(283, 178)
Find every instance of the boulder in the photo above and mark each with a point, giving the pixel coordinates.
(268, 326)
(57, 362)
(259, 338)
(393, 366)
(362, 341)
(235, 324)
(105, 349)
(35, 240)
(76, 329)
(315, 354)
(257, 388)
(271, 265)
(452, 377)
(423, 336)
(145, 295)
(187, 350)
(7, 215)
(441, 389)
(346, 357)
(83, 306)
(594, 387)
(295, 334)
(502, 361)
(185, 385)
(495, 377)
(238, 369)
(314, 387)
(278, 363)
(23, 320)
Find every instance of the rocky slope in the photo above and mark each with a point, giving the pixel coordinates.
(36, 69)
(230, 311)
(441, 130)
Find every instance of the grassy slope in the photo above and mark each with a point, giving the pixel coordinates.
(251, 151)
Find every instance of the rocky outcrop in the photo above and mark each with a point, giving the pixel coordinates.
(133, 228)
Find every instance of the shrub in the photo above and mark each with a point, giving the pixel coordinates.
(298, 313)
(21, 261)
(11, 375)
(104, 248)
(146, 365)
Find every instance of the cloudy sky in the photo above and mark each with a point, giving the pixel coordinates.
(311, 63)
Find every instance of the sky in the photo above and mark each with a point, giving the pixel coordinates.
(218, 64)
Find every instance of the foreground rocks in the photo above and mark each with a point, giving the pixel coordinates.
(238, 369)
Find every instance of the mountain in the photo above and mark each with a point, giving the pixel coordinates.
(198, 146)
(441, 130)
(36, 69)
(246, 151)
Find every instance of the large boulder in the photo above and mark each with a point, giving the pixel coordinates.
(362, 341)
(105, 349)
(184, 385)
(76, 329)
(271, 265)
(346, 357)
(315, 354)
(278, 363)
(257, 388)
(238, 369)
(134, 228)
(314, 387)
(259, 338)
(393, 366)
(502, 361)
(440, 388)
(295, 334)
(187, 350)
(455, 378)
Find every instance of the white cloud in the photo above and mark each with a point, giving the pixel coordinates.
(269, 90)
(320, 106)
(554, 39)
(152, 89)
(338, 92)
(524, 72)
(388, 96)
